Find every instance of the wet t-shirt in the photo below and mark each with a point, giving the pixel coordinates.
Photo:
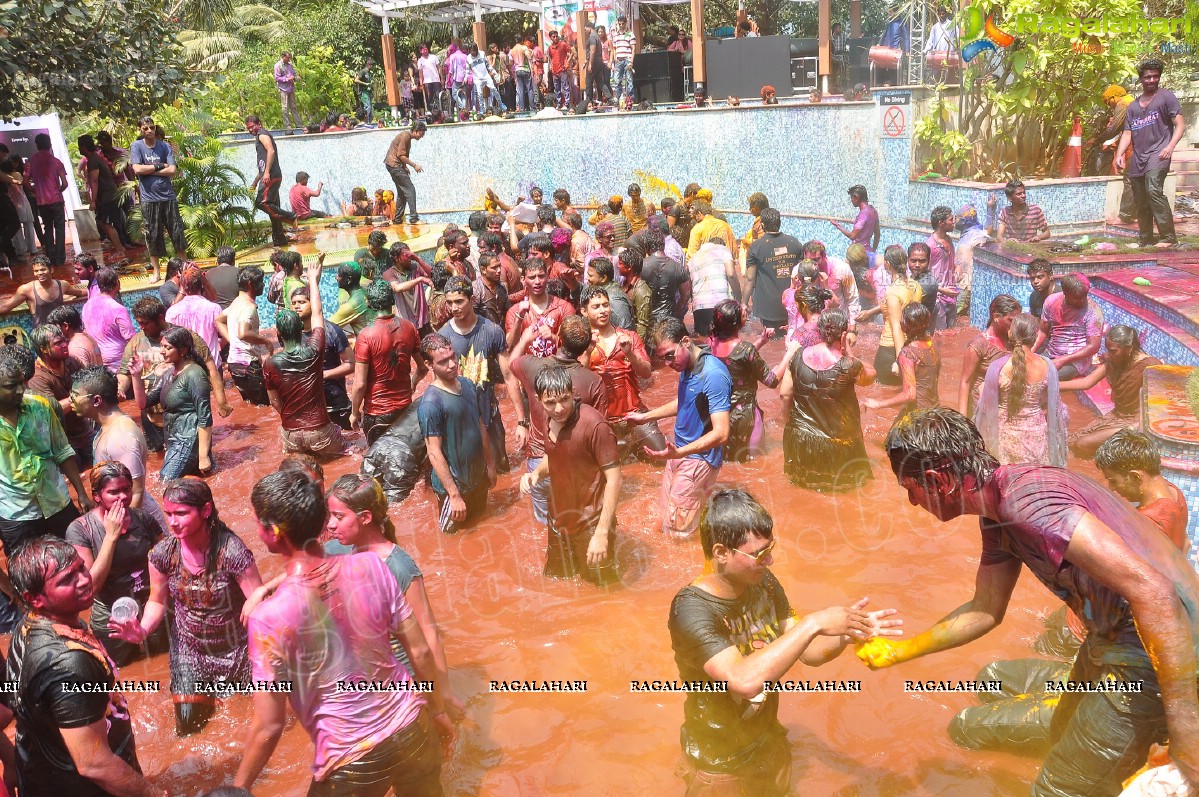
(405, 570)
(704, 389)
(773, 255)
(586, 446)
(588, 388)
(1069, 328)
(455, 419)
(1152, 127)
(479, 353)
(129, 574)
(44, 656)
(620, 381)
(298, 377)
(386, 347)
(664, 276)
(329, 626)
(1038, 510)
(722, 732)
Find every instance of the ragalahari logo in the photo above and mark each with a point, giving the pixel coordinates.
(982, 34)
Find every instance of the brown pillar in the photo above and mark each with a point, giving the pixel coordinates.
(581, 49)
(824, 67)
(699, 73)
(855, 18)
(636, 28)
(389, 71)
(479, 33)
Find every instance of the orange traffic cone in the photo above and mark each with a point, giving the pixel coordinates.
(1072, 160)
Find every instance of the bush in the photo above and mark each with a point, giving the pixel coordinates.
(324, 84)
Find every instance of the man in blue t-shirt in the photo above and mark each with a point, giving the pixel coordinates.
(153, 162)
(701, 426)
(463, 466)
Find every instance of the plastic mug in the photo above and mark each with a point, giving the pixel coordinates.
(124, 609)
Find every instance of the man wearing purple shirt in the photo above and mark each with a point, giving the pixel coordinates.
(865, 227)
(942, 266)
(1133, 682)
(285, 81)
(49, 179)
(457, 68)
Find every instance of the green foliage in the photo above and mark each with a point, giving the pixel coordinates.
(115, 56)
(343, 28)
(323, 84)
(941, 149)
(214, 48)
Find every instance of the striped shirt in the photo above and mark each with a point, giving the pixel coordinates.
(622, 46)
(1023, 226)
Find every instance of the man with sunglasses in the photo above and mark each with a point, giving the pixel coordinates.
(734, 635)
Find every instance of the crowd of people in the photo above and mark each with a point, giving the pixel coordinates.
(526, 311)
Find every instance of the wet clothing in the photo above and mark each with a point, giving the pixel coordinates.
(412, 304)
(337, 397)
(208, 640)
(704, 390)
(455, 419)
(31, 485)
(987, 349)
(722, 732)
(823, 447)
(773, 256)
(45, 657)
(1036, 301)
(80, 431)
(297, 376)
(1152, 127)
(746, 368)
(186, 407)
(1126, 395)
(664, 276)
(588, 389)
(1069, 329)
(386, 346)
(926, 361)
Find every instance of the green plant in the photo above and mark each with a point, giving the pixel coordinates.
(941, 150)
(324, 84)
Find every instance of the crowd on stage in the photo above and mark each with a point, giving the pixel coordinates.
(524, 313)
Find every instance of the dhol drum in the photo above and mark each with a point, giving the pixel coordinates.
(885, 57)
(947, 61)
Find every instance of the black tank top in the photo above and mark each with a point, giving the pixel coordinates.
(261, 149)
(41, 310)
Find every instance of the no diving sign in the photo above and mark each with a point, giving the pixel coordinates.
(895, 114)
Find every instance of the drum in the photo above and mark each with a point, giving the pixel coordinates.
(885, 57)
(943, 61)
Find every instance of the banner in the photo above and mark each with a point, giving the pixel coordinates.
(560, 16)
(18, 135)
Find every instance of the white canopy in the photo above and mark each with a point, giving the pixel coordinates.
(442, 11)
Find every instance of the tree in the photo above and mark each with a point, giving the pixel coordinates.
(118, 56)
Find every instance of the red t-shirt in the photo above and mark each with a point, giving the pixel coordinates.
(624, 394)
(559, 55)
(1170, 515)
(588, 389)
(299, 195)
(298, 376)
(557, 310)
(584, 448)
(386, 346)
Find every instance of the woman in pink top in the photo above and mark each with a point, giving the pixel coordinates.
(106, 320)
(197, 313)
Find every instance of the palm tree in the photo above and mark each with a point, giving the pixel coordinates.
(216, 31)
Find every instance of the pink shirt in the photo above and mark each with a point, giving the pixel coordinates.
(109, 324)
(199, 315)
(43, 170)
(299, 195)
(347, 628)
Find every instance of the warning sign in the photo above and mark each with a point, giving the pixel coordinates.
(895, 120)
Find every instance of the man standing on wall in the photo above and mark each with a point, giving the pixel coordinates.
(285, 81)
(364, 83)
(267, 181)
(624, 47)
(1153, 126)
(397, 163)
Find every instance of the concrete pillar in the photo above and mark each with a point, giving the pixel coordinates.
(825, 62)
(581, 49)
(855, 18)
(389, 70)
(699, 38)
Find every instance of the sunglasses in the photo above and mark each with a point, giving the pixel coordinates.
(760, 555)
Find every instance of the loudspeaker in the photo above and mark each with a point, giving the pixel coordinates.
(658, 77)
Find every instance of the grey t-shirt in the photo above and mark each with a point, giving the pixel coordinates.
(1151, 126)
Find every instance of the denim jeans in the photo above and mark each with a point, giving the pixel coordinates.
(485, 104)
(54, 222)
(562, 89)
(622, 78)
(1152, 206)
(524, 90)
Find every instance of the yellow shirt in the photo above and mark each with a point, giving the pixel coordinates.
(908, 291)
(704, 230)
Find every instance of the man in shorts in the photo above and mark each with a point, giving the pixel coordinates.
(153, 162)
(701, 426)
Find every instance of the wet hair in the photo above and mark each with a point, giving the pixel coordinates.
(363, 493)
(533, 264)
(293, 263)
(920, 246)
(602, 267)
(855, 255)
(42, 337)
(37, 561)
(758, 201)
(940, 214)
(293, 503)
(574, 335)
(727, 319)
(1128, 450)
(40, 260)
(226, 254)
(938, 439)
(495, 219)
(832, 325)
(542, 243)
(1023, 332)
(1073, 286)
(615, 204)
(288, 325)
(574, 219)
(562, 195)
(553, 381)
(459, 285)
(377, 239)
(814, 247)
(419, 126)
(68, 316)
(691, 189)
(858, 192)
(108, 279)
(305, 463)
(477, 222)
(556, 287)
(181, 338)
(104, 472)
(1150, 65)
(700, 206)
(1010, 189)
(603, 228)
(915, 321)
(491, 241)
(651, 240)
(1124, 335)
(97, 380)
(250, 277)
(434, 342)
(632, 259)
(88, 261)
(897, 258)
(668, 329)
(440, 275)
(806, 272)
(452, 237)
(194, 492)
(729, 518)
(546, 214)
(1002, 305)
(379, 297)
(192, 281)
(667, 203)
(349, 276)
(771, 220)
(1039, 265)
(17, 360)
(396, 251)
(589, 292)
(86, 144)
(813, 297)
(175, 264)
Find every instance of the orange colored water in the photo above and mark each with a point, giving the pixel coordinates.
(501, 620)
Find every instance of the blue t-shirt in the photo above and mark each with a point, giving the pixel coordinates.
(455, 419)
(479, 358)
(703, 390)
(154, 187)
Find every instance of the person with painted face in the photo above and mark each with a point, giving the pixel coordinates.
(1127, 582)
(182, 387)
